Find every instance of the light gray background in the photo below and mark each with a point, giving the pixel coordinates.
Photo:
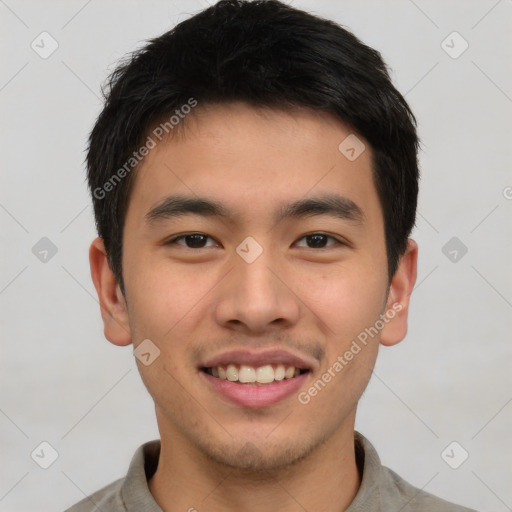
(450, 380)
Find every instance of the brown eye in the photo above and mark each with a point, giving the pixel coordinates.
(319, 241)
(191, 240)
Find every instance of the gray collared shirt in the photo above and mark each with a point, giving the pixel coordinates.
(381, 489)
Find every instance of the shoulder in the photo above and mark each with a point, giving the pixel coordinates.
(414, 499)
(130, 492)
(383, 489)
(107, 499)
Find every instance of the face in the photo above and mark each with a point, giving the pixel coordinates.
(287, 267)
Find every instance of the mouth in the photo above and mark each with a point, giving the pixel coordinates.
(255, 380)
(264, 375)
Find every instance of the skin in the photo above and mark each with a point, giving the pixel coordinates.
(194, 303)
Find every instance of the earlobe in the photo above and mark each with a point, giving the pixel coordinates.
(397, 307)
(112, 303)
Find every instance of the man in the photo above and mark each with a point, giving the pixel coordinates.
(254, 178)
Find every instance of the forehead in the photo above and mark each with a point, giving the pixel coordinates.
(254, 159)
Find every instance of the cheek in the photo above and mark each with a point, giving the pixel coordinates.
(346, 299)
(345, 305)
(168, 300)
(162, 304)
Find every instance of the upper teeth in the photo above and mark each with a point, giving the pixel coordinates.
(261, 375)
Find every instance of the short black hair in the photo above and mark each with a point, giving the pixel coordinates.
(267, 54)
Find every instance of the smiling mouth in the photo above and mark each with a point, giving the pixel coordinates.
(260, 376)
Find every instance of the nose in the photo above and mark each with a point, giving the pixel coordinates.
(257, 297)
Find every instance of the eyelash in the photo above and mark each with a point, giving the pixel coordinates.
(179, 237)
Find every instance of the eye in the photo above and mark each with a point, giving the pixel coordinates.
(192, 240)
(319, 241)
(199, 241)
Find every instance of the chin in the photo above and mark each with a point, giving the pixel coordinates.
(253, 457)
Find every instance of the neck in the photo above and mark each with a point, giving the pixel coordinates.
(326, 480)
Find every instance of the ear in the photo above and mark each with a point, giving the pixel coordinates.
(397, 307)
(112, 302)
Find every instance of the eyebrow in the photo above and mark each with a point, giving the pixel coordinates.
(332, 205)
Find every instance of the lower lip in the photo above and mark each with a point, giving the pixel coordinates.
(251, 395)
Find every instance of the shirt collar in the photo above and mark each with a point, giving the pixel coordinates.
(135, 491)
(367, 498)
(137, 498)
